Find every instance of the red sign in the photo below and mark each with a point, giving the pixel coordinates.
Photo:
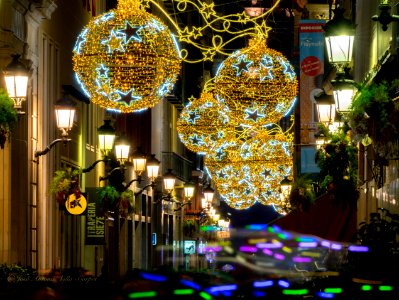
(311, 66)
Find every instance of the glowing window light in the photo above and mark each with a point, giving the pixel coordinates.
(267, 252)
(183, 292)
(138, 295)
(273, 245)
(308, 244)
(305, 239)
(336, 246)
(256, 227)
(222, 288)
(279, 256)
(249, 249)
(366, 287)
(263, 284)
(213, 248)
(276, 228)
(259, 294)
(153, 277)
(286, 249)
(190, 284)
(284, 236)
(385, 288)
(354, 248)
(209, 228)
(256, 241)
(326, 244)
(299, 259)
(311, 254)
(333, 290)
(325, 295)
(283, 283)
(296, 292)
(205, 296)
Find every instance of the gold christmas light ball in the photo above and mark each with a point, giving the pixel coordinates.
(126, 59)
(203, 124)
(258, 84)
(252, 169)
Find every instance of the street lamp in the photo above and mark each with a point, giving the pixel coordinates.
(339, 37)
(65, 109)
(106, 137)
(253, 8)
(122, 148)
(189, 189)
(169, 181)
(139, 161)
(208, 194)
(152, 168)
(325, 107)
(16, 77)
(344, 90)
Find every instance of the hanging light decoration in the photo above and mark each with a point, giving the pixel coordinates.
(126, 59)
(258, 84)
(252, 169)
(204, 124)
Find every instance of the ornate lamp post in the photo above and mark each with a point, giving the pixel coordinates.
(344, 90)
(325, 108)
(65, 109)
(16, 76)
(106, 137)
(339, 36)
(122, 149)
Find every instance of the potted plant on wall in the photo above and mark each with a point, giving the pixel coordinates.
(8, 117)
(302, 194)
(375, 117)
(110, 199)
(337, 161)
(64, 183)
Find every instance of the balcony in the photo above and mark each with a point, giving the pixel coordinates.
(181, 166)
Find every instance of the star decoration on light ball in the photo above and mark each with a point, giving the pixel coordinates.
(256, 74)
(126, 59)
(204, 124)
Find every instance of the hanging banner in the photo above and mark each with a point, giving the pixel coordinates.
(311, 60)
(95, 222)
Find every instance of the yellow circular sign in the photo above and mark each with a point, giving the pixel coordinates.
(76, 206)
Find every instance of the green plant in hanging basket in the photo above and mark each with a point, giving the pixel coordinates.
(126, 203)
(302, 193)
(64, 183)
(110, 199)
(374, 117)
(337, 161)
(107, 196)
(8, 117)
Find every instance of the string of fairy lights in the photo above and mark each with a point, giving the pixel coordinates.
(127, 59)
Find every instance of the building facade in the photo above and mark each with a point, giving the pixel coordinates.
(36, 230)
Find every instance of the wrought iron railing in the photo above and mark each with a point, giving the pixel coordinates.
(180, 166)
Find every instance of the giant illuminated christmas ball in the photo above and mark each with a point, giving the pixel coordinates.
(126, 59)
(252, 169)
(258, 84)
(203, 124)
